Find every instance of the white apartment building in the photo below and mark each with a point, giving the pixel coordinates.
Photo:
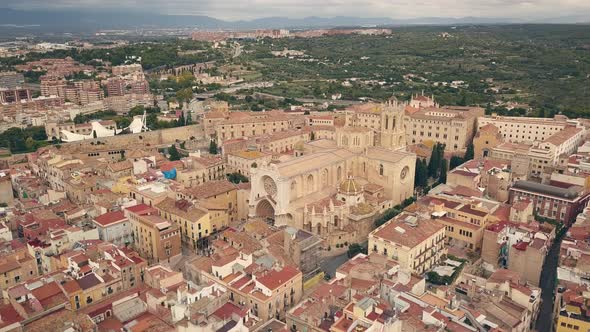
(525, 129)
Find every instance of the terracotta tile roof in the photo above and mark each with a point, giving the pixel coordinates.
(521, 205)
(8, 264)
(502, 213)
(120, 166)
(208, 161)
(45, 293)
(182, 208)
(400, 232)
(503, 275)
(167, 166)
(110, 218)
(469, 210)
(274, 279)
(139, 209)
(562, 136)
(226, 311)
(88, 281)
(9, 315)
(211, 188)
(71, 287)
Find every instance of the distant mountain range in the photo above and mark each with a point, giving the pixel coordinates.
(88, 21)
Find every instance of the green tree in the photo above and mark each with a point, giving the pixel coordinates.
(443, 172)
(435, 160)
(123, 122)
(189, 119)
(424, 174)
(469, 153)
(421, 176)
(30, 143)
(455, 161)
(463, 100)
(173, 152)
(213, 147)
(181, 121)
(184, 95)
(237, 178)
(386, 216)
(355, 249)
(418, 172)
(136, 110)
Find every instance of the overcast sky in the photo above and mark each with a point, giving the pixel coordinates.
(248, 9)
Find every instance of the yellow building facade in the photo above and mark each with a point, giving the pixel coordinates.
(416, 244)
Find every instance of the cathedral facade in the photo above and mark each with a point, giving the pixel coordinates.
(337, 187)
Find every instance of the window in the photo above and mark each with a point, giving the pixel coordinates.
(380, 169)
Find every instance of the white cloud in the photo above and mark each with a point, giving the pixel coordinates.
(248, 9)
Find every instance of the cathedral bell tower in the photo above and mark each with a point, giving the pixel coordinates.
(393, 133)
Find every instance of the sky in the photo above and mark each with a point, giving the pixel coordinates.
(400, 9)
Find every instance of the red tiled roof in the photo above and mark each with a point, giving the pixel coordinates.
(46, 291)
(165, 167)
(227, 310)
(71, 286)
(139, 209)
(110, 218)
(274, 279)
(521, 246)
(9, 315)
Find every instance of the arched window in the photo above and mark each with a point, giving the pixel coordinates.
(310, 183)
(380, 169)
(294, 189)
(339, 173)
(324, 177)
(386, 122)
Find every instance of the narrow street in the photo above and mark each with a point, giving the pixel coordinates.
(547, 284)
(330, 264)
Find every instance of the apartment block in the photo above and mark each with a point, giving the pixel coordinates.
(524, 129)
(416, 243)
(453, 126)
(155, 238)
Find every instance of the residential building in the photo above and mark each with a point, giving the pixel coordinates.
(193, 221)
(16, 264)
(572, 313)
(464, 218)
(155, 238)
(242, 161)
(453, 126)
(416, 243)
(114, 227)
(198, 170)
(304, 249)
(268, 293)
(524, 129)
(215, 195)
(521, 249)
(249, 126)
(553, 202)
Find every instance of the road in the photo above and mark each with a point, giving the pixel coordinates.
(547, 285)
(330, 264)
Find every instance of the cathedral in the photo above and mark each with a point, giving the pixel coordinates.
(336, 188)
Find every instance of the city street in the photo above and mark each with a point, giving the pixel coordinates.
(547, 284)
(331, 264)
